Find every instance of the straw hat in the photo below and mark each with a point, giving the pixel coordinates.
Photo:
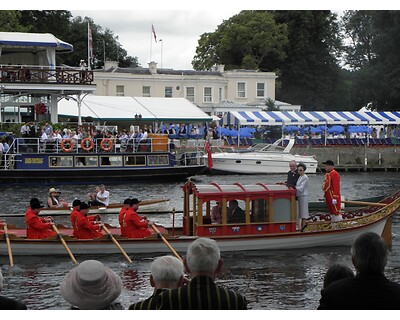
(91, 285)
(51, 190)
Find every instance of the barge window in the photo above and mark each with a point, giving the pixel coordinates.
(86, 161)
(111, 161)
(135, 160)
(282, 210)
(158, 160)
(259, 210)
(60, 161)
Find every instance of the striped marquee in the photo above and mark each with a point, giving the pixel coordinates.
(279, 118)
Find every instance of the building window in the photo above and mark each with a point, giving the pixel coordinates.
(207, 95)
(146, 91)
(260, 90)
(119, 91)
(241, 89)
(220, 94)
(168, 92)
(189, 94)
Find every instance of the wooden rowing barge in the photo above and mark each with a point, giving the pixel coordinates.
(269, 223)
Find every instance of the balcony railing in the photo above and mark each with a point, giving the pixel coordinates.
(37, 74)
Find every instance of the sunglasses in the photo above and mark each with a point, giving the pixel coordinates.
(300, 169)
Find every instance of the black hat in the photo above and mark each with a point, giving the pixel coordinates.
(76, 202)
(301, 164)
(35, 204)
(83, 206)
(127, 201)
(134, 201)
(328, 162)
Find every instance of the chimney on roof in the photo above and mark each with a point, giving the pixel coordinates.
(153, 67)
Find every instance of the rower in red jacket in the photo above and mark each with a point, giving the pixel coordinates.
(331, 187)
(122, 213)
(74, 213)
(84, 227)
(37, 228)
(133, 225)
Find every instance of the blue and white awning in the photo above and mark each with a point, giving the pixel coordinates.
(279, 118)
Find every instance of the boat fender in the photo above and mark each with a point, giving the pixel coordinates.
(106, 144)
(87, 144)
(67, 145)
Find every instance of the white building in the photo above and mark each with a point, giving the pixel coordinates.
(203, 88)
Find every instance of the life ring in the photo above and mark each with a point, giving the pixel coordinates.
(84, 145)
(70, 143)
(104, 143)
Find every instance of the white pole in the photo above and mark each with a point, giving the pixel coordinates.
(161, 40)
(151, 40)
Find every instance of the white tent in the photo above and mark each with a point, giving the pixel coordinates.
(125, 108)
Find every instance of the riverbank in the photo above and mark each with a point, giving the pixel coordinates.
(355, 158)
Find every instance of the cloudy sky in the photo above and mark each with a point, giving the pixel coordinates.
(179, 23)
(179, 30)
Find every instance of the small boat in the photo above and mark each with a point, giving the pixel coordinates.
(31, 161)
(146, 206)
(152, 206)
(269, 222)
(261, 159)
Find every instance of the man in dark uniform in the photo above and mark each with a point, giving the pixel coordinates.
(292, 175)
(203, 262)
(369, 289)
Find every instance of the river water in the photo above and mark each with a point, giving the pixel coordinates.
(272, 280)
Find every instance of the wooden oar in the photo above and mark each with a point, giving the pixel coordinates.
(116, 243)
(10, 256)
(365, 203)
(64, 243)
(165, 241)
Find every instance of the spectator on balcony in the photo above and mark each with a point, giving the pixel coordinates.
(25, 130)
(48, 128)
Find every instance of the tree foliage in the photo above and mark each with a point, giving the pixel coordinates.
(249, 40)
(61, 24)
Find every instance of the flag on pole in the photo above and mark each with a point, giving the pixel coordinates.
(154, 33)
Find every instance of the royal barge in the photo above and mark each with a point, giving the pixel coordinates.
(269, 223)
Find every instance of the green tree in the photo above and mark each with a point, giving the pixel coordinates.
(310, 73)
(10, 21)
(375, 59)
(250, 40)
(359, 32)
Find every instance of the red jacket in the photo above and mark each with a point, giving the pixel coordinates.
(84, 227)
(134, 226)
(121, 216)
(37, 228)
(332, 184)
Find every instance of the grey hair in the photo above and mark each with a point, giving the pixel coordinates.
(203, 255)
(1, 281)
(369, 253)
(166, 268)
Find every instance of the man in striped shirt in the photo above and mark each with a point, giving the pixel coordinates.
(203, 262)
(166, 273)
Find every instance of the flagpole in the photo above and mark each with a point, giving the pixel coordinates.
(88, 46)
(151, 40)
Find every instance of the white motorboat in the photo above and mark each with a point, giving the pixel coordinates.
(261, 159)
